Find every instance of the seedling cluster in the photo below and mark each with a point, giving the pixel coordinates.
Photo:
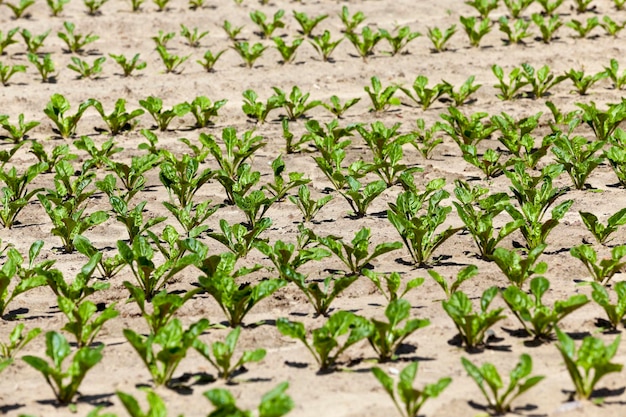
(207, 233)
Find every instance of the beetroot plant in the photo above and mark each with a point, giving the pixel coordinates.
(209, 60)
(539, 319)
(327, 343)
(425, 96)
(17, 132)
(440, 39)
(64, 382)
(324, 45)
(220, 354)
(599, 231)
(409, 400)
(57, 109)
(308, 206)
(163, 117)
(389, 335)
(351, 22)
(307, 24)
(268, 26)
(119, 119)
(590, 363)
(462, 276)
(365, 43)
(518, 269)
(516, 31)
(75, 42)
(614, 312)
(287, 52)
(8, 71)
(489, 382)
(602, 271)
(163, 351)
(14, 193)
(235, 300)
(473, 325)
(475, 33)
(129, 65)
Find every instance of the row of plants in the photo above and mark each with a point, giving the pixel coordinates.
(166, 345)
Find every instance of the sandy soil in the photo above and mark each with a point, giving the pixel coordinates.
(351, 391)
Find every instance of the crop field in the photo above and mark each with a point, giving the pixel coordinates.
(340, 208)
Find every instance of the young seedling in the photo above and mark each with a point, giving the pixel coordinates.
(425, 96)
(256, 109)
(45, 67)
(173, 342)
(603, 271)
(489, 381)
(541, 80)
(12, 271)
(473, 326)
(75, 42)
(161, 5)
(288, 52)
(517, 7)
(440, 39)
(171, 61)
(296, 104)
(56, 6)
(209, 60)
(583, 29)
(603, 123)
(388, 336)
(515, 32)
(508, 90)
(582, 83)
(82, 322)
(162, 117)
(611, 27)
(475, 33)
(466, 130)
(162, 38)
(286, 258)
(589, 364)
(425, 139)
(538, 319)
(19, 9)
(478, 215)
(489, 162)
(389, 284)
(614, 312)
(307, 24)
(18, 132)
(409, 400)
(549, 7)
(324, 45)
(119, 119)
(267, 27)
(33, 42)
(461, 96)
(338, 109)
(356, 254)
(483, 7)
(463, 275)
(56, 110)
(129, 64)
(248, 53)
(365, 43)
(220, 354)
(327, 345)
(535, 196)
(320, 293)
(418, 228)
(280, 187)
(582, 6)
(612, 72)
(578, 156)
(231, 31)
(85, 70)
(14, 194)
(599, 230)
(99, 156)
(8, 71)
(548, 27)
(517, 269)
(274, 403)
(64, 383)
(132, 218)
(182, 177)
(17, 341)
(193, 36)
(94, 6)
(381, 98)
(203, 110)
(7, 39)
(107, 267)
(351, 22)
(218, 280)
(399, 39)
(58, 154)
(308, 207)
